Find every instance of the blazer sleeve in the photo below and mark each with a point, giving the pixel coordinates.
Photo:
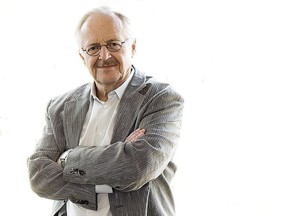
(128, 166)
(46, 175)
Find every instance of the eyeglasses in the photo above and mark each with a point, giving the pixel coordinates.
(112, 46)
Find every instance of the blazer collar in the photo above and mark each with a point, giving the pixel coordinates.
(75, 111)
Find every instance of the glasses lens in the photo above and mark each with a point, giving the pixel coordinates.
(114, 46)
(93, 49)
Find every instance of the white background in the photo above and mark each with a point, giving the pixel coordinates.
(227, 58)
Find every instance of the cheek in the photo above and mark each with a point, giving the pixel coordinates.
(125, 63)
(90, 64)
(90, 67)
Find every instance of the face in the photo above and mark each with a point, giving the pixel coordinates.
(108, 69)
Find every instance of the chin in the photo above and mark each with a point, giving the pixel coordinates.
(110, 80)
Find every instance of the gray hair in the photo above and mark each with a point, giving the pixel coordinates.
(124, 20)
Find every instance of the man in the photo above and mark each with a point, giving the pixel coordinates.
(107, 146)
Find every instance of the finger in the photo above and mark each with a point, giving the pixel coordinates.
(135, 135)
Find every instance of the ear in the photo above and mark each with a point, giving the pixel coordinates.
(82, 57)
(133, 48)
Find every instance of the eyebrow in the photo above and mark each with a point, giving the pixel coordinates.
(111, 40)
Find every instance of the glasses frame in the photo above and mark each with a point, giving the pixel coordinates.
(106, 45)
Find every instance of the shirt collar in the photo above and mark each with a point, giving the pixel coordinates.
(119, 91)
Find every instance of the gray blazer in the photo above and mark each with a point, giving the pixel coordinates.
(138, 172)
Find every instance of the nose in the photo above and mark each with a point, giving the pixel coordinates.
(104, 53)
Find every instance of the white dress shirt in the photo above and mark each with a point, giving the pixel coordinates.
(97, 131)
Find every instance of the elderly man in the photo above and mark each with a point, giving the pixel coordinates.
(107, 146)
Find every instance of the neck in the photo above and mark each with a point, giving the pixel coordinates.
(102, 92)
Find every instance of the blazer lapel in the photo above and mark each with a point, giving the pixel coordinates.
(128, 108)
(74, 115)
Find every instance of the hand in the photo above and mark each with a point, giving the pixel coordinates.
(62, 159)
(135, 135)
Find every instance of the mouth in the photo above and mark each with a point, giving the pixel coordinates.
(105, 66)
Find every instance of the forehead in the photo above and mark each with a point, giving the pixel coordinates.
(99, 28)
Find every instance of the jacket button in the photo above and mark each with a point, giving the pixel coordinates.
(81, 172)
(73, 171)
(82, 202)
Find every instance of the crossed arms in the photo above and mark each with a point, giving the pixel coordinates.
(124, 165)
